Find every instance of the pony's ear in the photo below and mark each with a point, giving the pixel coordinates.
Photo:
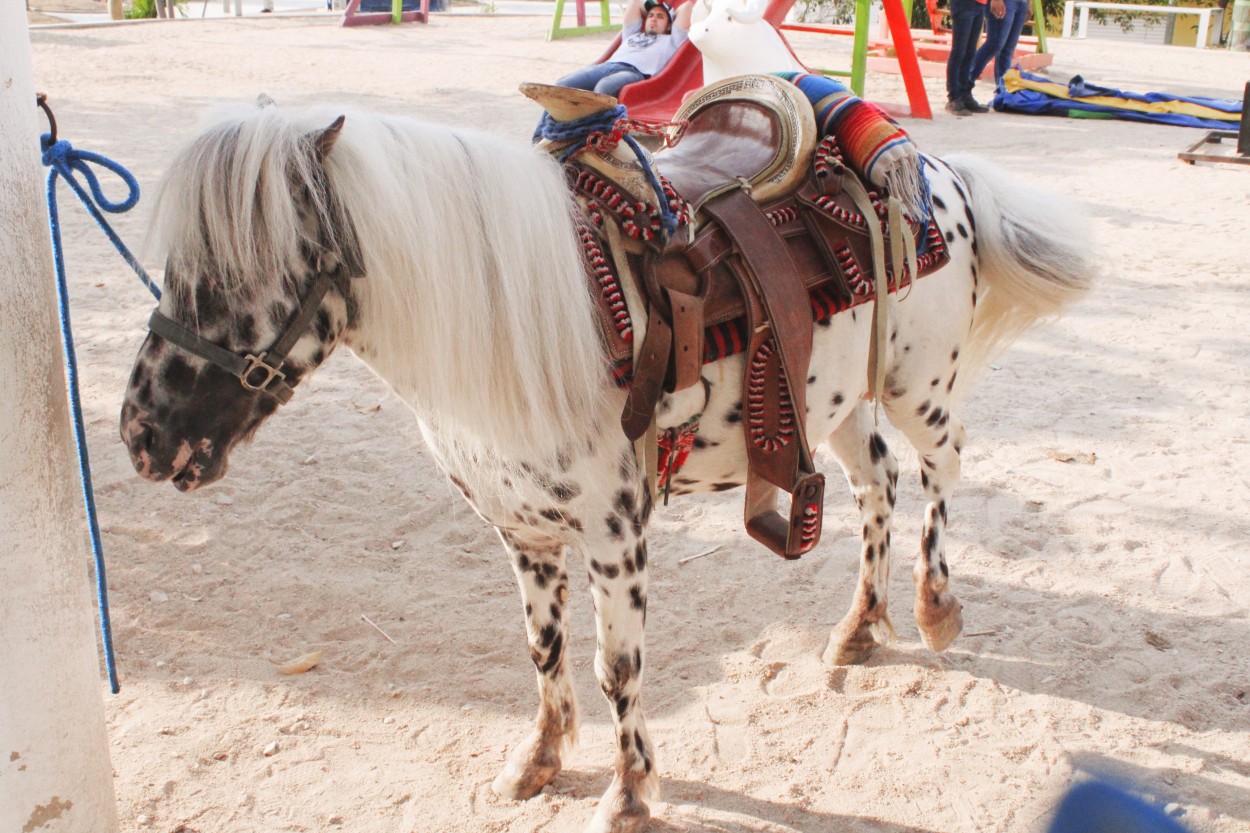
(322, 141)
(263, 100)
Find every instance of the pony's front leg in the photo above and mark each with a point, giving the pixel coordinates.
(872, 472)
(616, 558)
(540, 570)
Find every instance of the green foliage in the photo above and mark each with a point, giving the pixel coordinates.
(139, 9)
(838, 12)
(842, 12)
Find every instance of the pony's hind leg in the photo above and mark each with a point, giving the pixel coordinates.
(938, 437)
(872, 472)
(540, 570)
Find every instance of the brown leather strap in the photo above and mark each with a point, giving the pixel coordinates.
(687, 339)
(780, 323)
(680, 294)
(774, 279)
(649, 370)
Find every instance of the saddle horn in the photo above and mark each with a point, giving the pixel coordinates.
(566, 104)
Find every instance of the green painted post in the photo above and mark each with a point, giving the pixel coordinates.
(605, 21)
(552, 34)
(859, 51)
(397, 11)
(1039, 25)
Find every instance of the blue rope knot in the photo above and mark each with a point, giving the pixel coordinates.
(579, 132)
(65, 161)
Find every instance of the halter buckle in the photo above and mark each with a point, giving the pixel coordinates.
(255, 363)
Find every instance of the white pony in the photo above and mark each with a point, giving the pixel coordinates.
(447, 260)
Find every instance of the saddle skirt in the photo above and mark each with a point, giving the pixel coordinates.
(739, 232)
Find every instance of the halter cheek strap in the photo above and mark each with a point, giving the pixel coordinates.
(258, 373)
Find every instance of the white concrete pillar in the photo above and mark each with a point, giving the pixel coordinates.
(55, 774)
(1239, 32)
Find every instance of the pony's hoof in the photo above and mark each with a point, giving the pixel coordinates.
(628, 819)
(940, 620)
(850, 645)
(521, 786)
(530, 768)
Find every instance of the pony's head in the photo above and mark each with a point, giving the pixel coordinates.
(260, 255)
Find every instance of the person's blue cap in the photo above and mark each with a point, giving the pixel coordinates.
(651, 4)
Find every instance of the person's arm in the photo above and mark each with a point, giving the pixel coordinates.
(681, 20)
(998, 8)
(633, 12)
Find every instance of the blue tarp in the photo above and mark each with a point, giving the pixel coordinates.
(1039, 95)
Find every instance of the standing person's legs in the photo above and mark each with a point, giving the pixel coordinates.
(1013, 23)
(996, 32)
(966, 16)
(607, 79)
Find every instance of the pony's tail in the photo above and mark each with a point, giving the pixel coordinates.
(1035, 254)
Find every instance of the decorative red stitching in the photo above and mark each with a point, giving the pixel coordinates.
(860, 286)
(809, 531)
(837, 212)
(828, 158)
(639, 220)
(783, 215)
(608, 285)
(755, 403)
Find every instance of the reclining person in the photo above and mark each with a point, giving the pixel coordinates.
(649, 38)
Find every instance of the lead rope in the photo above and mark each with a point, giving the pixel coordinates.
(63, 161)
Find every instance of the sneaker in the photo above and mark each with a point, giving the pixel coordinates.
(956, 107)
(973, 105)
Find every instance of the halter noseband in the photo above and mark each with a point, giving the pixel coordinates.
(259, 374)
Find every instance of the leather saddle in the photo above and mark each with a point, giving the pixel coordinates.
(766, 231)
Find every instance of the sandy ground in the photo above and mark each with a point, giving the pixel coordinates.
(1106, 596)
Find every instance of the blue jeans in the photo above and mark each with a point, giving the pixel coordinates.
(607, 79)
(966, 17)
(1001, 36)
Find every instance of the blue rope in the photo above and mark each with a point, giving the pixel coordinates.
(63, 162)
(579, 130)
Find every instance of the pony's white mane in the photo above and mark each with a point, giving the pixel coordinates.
(474, 305)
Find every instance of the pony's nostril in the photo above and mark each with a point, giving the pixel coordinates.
(141, 436)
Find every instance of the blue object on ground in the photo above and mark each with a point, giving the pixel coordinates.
(1039, 103)
(409, 5)
(1096, 807)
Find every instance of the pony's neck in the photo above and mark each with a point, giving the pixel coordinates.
(474, 307)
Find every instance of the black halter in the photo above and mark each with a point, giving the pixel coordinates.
(263, 373)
